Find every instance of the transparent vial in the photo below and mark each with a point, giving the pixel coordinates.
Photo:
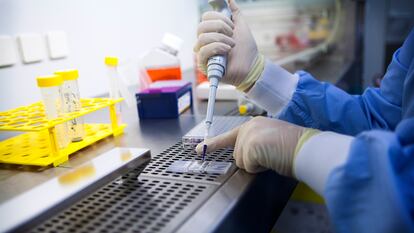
(114, 93)
(51, 91)
(71, 103)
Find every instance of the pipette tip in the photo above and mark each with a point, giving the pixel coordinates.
(204, 151)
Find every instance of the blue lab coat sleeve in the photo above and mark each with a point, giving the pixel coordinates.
(374, 190)
(323, 106)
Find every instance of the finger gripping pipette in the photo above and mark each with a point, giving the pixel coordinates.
(216, 68)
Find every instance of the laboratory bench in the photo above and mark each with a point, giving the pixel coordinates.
(134, 193)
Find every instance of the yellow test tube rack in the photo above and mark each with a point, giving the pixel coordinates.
(37, 146)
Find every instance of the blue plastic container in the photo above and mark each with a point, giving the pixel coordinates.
(164, 101)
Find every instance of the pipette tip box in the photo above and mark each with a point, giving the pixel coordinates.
(221, 124)
(164, 99)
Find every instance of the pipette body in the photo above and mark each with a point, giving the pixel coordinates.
(216, 68)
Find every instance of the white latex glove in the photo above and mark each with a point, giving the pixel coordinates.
(262, 143)
(219, 35)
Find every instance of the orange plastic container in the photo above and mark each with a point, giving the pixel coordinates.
(162, 63)
(164, 73)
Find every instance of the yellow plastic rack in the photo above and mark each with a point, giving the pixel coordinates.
(38, 146)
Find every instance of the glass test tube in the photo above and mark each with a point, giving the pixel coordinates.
(71, 103)
(51, 90)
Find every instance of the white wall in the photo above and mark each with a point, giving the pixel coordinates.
(95, 28)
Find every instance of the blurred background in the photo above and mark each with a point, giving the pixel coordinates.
(346, 42)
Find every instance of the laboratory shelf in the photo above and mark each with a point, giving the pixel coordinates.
(38, 145)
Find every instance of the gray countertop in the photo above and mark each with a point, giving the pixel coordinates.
(244, 202)
(154, 134)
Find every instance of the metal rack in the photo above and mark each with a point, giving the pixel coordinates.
(147, 199)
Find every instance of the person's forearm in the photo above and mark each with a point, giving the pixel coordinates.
(318, 156)
(301, 99)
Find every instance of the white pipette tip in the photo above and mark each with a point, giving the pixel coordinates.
(207, 130)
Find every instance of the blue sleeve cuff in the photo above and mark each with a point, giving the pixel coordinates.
(295, 111)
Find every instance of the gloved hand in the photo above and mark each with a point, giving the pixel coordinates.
(220, 35)
(262, 143)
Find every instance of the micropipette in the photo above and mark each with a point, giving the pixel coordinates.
(216, 67)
